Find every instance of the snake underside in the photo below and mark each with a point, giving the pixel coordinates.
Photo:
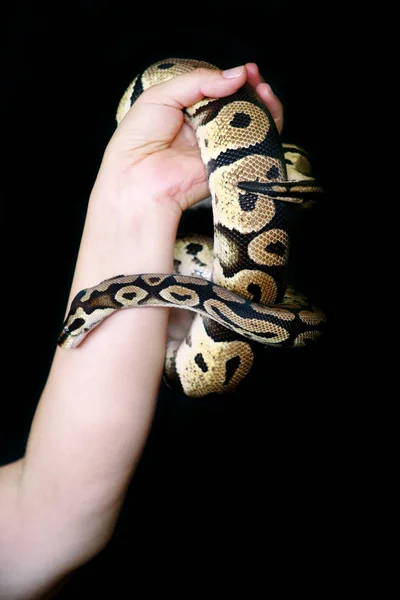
(236, 283)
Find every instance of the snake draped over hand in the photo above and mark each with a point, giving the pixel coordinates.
(236, 283)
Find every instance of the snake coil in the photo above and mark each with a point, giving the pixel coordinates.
(235, 283)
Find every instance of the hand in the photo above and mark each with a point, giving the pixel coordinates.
(97, 407)
(154, 149)
(152, 171)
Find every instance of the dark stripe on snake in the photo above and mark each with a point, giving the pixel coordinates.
(205, 293)
(200, 362)
(263, 334)
(129, 295)
(198, 262)
(255, 290)
(276, 248)
(173, 377)
(78, 322)
(273, 172)
(248, 201)
(231, 367)
(166, 65)
(266, 147)
(63, 335)
(79, 295)
(240, 120)
(193, 248)
(219, 333)
(278, 221)
(137, 90)
(229, 270)
(181, 297)
(99, 299)
(209, 111)
(246, 312)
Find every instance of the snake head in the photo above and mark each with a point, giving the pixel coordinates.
(74, 330)
(88, 309)
(77, 324)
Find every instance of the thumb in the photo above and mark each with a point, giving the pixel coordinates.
(187, 89)
(156, 116)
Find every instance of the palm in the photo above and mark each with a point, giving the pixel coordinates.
(179, 172)
(157, 149)
(157, 154)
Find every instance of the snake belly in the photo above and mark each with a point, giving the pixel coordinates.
(241, 299)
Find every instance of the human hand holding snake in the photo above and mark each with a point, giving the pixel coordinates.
(190, 110)
(95, 412)
(155, 149)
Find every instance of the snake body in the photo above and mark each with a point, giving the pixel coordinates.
(237, 287)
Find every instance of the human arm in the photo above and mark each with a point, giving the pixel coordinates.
(60, 502)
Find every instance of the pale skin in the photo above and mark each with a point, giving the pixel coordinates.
(59, 504)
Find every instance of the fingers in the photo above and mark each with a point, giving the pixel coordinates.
(185, 90)
(253, 75)
(273, 103)
(156, 117)
(266, 94)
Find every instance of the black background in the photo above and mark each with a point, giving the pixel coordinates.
(235, 491)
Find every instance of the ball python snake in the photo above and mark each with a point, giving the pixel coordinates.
(236, 285)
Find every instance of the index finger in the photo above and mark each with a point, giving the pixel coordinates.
(266, 94)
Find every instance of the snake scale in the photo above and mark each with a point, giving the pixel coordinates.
(236, 283)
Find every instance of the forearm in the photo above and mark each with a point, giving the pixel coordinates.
(97, 406)
(59, 504)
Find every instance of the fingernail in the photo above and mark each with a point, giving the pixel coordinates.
(235, 72)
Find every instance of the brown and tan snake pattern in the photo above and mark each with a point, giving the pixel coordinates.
(235, 283)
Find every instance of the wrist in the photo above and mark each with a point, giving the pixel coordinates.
(123, 189)
(125, 233)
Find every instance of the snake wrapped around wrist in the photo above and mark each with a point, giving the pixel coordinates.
(235, 283)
